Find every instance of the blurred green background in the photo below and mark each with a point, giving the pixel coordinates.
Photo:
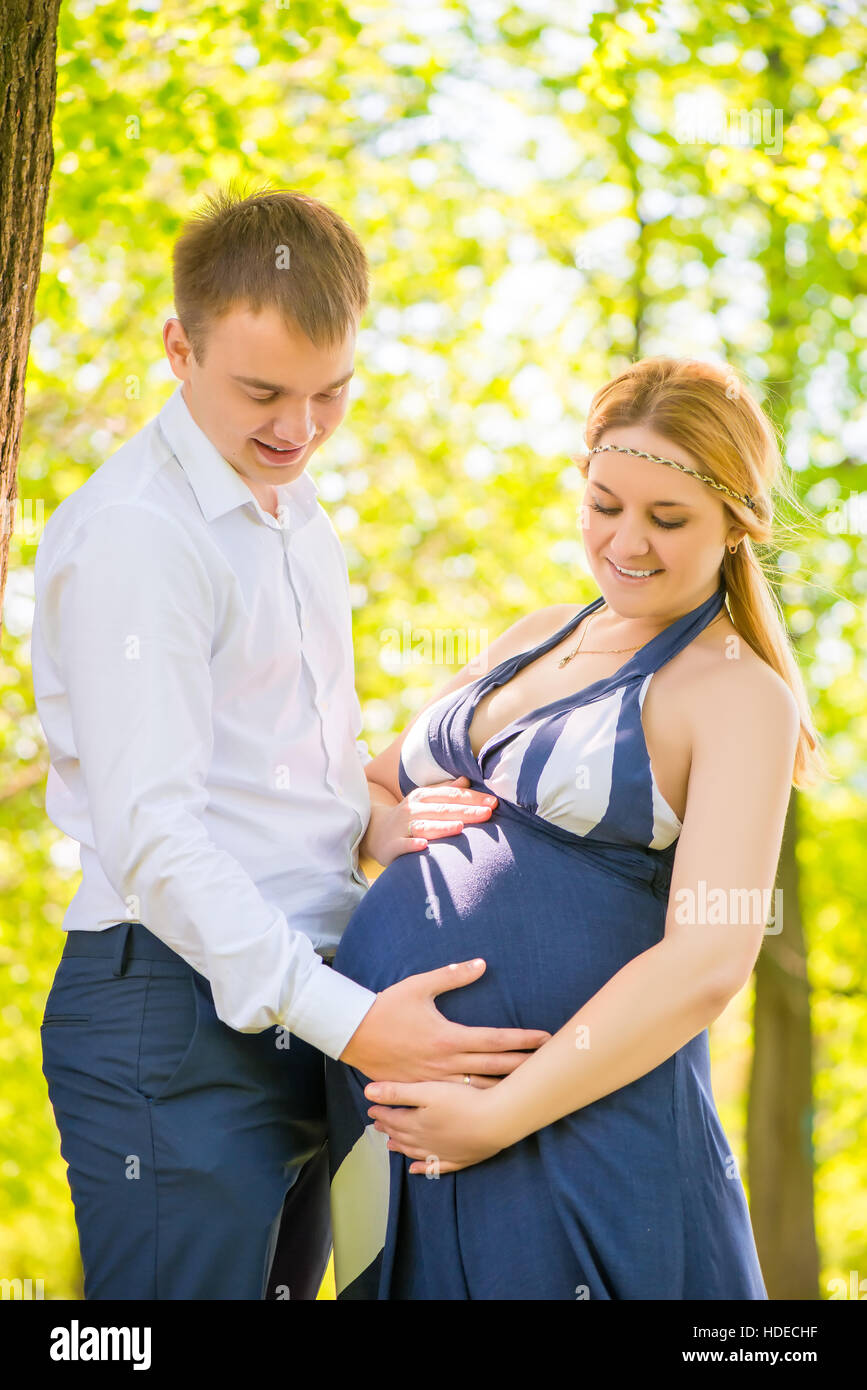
(546, 191)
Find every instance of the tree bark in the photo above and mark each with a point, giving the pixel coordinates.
(780, 1105)
(28, 71)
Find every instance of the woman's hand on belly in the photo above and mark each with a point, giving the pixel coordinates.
(427, 813)
(443, 1125)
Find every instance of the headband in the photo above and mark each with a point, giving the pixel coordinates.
(639, 453)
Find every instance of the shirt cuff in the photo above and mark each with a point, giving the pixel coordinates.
(329, 1010)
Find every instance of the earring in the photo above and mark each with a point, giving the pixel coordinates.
(731, 549)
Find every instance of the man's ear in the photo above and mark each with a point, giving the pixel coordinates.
(178, 348)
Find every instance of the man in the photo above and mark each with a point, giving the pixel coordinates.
(193, 671)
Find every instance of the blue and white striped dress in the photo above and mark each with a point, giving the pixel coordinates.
(635, 1196)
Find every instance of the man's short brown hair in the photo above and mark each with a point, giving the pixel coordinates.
(277, 249)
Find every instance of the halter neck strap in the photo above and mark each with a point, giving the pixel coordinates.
(650, 657)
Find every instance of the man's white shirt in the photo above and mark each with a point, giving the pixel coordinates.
(193, 671)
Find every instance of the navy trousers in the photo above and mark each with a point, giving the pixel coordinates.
(186, 1141)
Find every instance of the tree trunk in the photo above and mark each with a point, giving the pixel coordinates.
(28, 47)
(780, 1106)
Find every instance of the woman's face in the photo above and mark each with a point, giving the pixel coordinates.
(644, 516)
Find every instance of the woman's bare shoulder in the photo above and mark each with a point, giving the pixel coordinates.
(721, 679)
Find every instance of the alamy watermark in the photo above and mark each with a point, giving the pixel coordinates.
(413, 646)
(758, 127)
(22, 1289)
(848, 517)
(24, 518)
(729, 906)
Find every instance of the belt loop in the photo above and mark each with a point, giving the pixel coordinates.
(119, 966)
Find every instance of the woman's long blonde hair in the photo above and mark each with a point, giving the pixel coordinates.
(708, 411)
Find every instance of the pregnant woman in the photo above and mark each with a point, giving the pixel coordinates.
(641, 751)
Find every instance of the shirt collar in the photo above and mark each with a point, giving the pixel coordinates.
(217, 485)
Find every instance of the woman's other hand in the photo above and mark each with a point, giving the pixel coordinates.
(440, 1125)
(427, 813)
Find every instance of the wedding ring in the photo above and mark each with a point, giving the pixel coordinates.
(467, 1081)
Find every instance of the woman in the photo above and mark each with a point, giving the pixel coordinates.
(642, 751)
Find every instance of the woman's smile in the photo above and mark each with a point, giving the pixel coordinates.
(632, 575)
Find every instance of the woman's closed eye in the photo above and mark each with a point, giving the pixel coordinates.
(612, 511)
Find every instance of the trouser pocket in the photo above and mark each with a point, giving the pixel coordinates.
(136, 1031)
(170, 1027)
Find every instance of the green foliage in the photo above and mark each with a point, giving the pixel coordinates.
(533, 223)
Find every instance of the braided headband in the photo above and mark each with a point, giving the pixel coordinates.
(639, 453)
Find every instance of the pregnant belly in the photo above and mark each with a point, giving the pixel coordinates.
(553, 921)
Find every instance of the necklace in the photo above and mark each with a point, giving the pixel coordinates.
(614, 651)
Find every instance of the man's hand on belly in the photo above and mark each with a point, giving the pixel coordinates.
(404, 1037)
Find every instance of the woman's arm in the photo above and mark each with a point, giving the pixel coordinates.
(743, 751)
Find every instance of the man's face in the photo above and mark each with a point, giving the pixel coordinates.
(262, 388)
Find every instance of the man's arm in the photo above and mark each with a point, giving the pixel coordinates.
(128, 613)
